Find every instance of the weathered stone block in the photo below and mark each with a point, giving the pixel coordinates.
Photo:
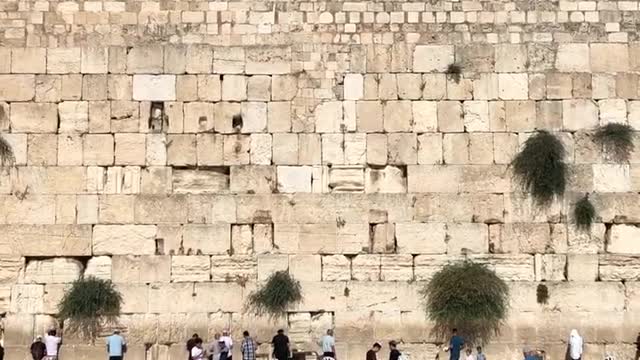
(99, 267)
(270, 263)
(154, 87)
(28, 298)
(336, 268)
(46, 240)
(124, 239)
(53, 271)
(609, 57)
(573, 58)
(130, 149)
(513, 86)
(450, 116)
(34, 117)
(432, 58)
(63, 60)
(396, 267)
(145, 60)
(141, 269)
(29, 60)
(421, 238)
(294, 179)
(550, 267)
(190, 268)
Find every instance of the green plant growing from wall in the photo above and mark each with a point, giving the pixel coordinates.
(7, 158)
(584, 213)
(542, 294)
(279, 292)
(89, 304)
(467, 296)
(540, 167)
(617, 140)
(454, 72)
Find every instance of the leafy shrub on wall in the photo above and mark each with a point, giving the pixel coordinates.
(467, 296)
(617, 140)
(584, 213)
(540, 167)
(279, 292)
(7, 157)
(89, 304)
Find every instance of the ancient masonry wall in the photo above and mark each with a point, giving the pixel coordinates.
(188, 149)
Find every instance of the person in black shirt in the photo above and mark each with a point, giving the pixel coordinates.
(394, 354)
(190, 344)
(280, 344)
(371, 354)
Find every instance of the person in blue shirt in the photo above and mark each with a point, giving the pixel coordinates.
(116, 346)
(455, 345)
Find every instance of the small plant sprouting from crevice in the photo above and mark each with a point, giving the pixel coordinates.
(540, 167)
(7, 158)
(279, 292)
(617, 140)
(542, 294)
(584, 213)
(454, 72)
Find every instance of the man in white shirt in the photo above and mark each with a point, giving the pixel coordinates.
(328, 344)
(52, 343)
(228, 343)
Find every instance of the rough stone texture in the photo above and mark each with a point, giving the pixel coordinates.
(187, 150)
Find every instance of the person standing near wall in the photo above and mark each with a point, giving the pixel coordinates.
(280, 344)
(228, 342)
(38, 349)
(455, 345)
(52, 343)
(328, 344)
(248, 347)
(575, 345)
(116, 346)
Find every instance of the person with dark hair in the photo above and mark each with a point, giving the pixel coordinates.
(248, 347)
(52, 344)
(480, 355)
(116, 346)
(328, 344)
(455, 345)
(280, 344)
(38, 349)
(394, 353)
(228, 343)
(197, 352)
(371, 354)
(190, 344)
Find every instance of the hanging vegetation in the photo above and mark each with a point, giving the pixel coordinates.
(617, 140)
(467, 296)
(90, 304)
(274, 298)
(7, 157)
(584, 213)
(542, 294)
(454, 72)
(540, 167)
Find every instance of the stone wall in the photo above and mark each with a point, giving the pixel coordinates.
(187, 149)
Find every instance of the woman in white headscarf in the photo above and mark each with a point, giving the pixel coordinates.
(575, 345)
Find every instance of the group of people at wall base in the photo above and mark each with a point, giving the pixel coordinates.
(47, 348)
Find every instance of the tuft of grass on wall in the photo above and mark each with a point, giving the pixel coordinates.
(540, 167)
(617, 140)
(542, 294)
(467, 296)
(279, 292)
(88, 304)
(454, 72)
(7, 157)
(584, 213)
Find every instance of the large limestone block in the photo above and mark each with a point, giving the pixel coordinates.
(582, 267)
(523, 238)
(324, 296)
(124, 239)
(234, 268)
(190, 268)
(331, 238)
(336, 268)
(18, 330)
(154, 87)
(241, 239)
(509, 267)
(34, 117)
(467, 238)
(611, 178)
(135, 298)
(592, 296)
(383, 296)
(513, 86)
(433, 179)
(306, 267)
(346, 178)
(99, 267)
(141, 269)
(253, 179)
(204, 239)
(31, 210)
(617, 267)
(17, 87)
(573, 58)
(609, 57)
(550, 267)
(10, 268)
(396, 267)
(365, 267)
(45, 240)
(271, 263)
(52, 271)
(578, 114)
(586, 242)
(159, 209)
(421, 238)
(202, 181)
(27, 298)
(623, 239)
(63, 60)
(390, 179)
(294, 179)
(140, 329)
(482, 208)
(432, 58)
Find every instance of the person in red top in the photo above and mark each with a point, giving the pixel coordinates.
(371, 354)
